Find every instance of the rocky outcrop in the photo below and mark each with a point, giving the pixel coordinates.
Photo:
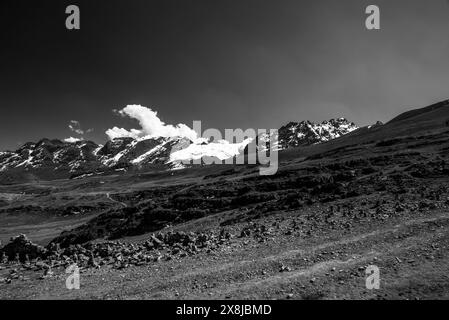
(22, 249)
(296, 134)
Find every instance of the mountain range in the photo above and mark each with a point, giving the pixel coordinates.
(53, 158)
(384, 186)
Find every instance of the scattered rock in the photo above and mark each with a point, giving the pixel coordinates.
(284, 269)
(21, 249)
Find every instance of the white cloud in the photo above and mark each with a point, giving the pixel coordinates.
(151, 125)
(122, 133)
(75, 127)
(72, 140)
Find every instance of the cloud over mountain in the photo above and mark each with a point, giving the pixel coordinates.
(72, 140)
(75, 126)
(151, 125)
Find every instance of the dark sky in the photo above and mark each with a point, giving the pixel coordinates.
(231, 64)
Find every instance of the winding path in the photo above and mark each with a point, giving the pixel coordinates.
(108, 195)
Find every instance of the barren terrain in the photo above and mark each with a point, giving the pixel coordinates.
(224, 232)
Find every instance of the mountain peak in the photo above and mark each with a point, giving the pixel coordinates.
(50, 158)
(306, 132)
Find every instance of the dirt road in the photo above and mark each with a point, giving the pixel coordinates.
(412, 257)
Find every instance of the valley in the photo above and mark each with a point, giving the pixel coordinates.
(375, 196)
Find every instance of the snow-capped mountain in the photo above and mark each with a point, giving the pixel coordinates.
(296, 134)
(50, 159)
(56, 158)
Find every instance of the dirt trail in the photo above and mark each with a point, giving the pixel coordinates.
(285, 268)
(262, 278)
(367, 249)
(108, 195)
(311, 249)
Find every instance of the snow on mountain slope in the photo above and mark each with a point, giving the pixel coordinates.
(296, 134)
(146, 155)
(221, 149)
(82, 158)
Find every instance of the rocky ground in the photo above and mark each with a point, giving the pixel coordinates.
(318, 252)
(308, 232)
(281, 257)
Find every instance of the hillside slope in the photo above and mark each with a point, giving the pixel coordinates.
(225, 232)
(414, 123)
